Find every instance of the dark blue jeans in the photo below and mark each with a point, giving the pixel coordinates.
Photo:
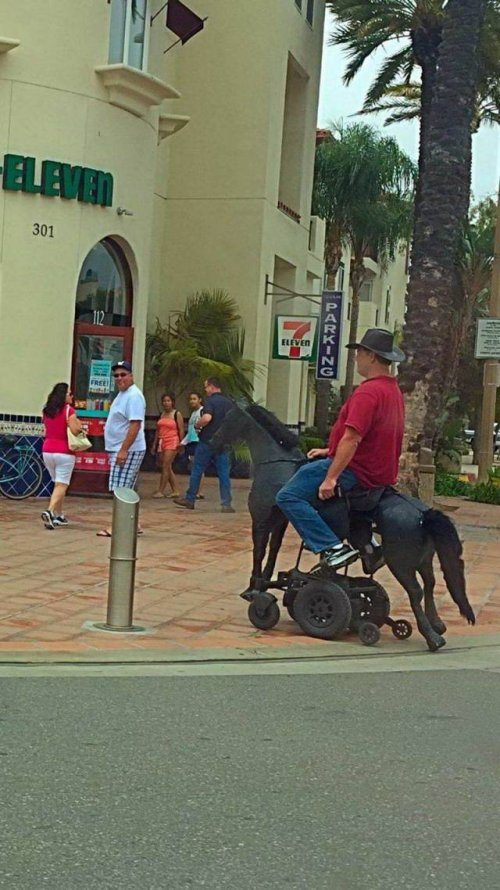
(202, 457)
(297, 500)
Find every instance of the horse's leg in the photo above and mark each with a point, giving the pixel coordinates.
(277, 532)
(408, 579)
(260, 537)
(426, 572)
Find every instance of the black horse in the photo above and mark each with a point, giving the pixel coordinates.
(275, 458)
(411, 532)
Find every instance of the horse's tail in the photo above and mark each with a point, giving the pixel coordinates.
(449, 550)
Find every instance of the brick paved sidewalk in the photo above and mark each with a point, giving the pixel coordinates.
(191, 567)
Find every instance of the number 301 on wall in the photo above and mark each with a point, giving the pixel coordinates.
(42, 231)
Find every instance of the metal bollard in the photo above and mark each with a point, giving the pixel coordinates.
(122, 562)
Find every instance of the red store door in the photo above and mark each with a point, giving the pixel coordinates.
(103, 336)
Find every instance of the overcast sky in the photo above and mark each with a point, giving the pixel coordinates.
(339, 102)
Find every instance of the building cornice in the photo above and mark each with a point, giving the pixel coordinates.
(7, 43)
(134, 90)
(168, 124)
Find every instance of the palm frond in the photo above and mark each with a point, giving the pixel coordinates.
(204, 341)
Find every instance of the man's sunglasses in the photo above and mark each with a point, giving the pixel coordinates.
(125, 374)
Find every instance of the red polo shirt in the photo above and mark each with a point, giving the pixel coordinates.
(376, 411)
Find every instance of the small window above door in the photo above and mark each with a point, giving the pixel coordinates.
(104, 291)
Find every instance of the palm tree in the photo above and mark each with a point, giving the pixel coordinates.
(475, 263)
(434, 286)
(205, 340)
(402, 102)
(415, 29)
(363, 189)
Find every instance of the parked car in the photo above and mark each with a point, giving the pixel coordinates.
(470, 436)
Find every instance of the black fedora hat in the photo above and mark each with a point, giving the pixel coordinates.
(381, 342)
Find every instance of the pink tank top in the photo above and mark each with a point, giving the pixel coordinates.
(56, 437)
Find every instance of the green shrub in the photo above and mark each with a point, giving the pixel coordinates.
(449, 485)
(306, 442)
(485, 493)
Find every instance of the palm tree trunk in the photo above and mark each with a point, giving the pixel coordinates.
(425, 49)
(428, 80)
(358, 274)
(444, 202)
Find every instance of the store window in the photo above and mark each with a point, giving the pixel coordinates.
(104, 290)
(103, 332)
(129, 33)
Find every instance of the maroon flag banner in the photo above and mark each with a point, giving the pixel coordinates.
(183, 21)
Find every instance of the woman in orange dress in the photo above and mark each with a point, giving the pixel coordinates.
(167, 440)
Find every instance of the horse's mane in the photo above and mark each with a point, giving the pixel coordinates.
(276, 429)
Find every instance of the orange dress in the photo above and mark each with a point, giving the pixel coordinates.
(168, 434)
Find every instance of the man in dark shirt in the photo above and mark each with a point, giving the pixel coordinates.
(363, 449)
(215, 408)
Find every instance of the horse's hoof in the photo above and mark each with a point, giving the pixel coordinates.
(435, 642)
(439, 626)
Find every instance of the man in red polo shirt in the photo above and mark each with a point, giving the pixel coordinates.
(364, 448)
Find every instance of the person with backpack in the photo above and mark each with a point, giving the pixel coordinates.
(167, 441)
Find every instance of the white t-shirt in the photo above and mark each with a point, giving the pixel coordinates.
(126, 406)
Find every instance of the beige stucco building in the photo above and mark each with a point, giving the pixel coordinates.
(132, 177)
(233, 191)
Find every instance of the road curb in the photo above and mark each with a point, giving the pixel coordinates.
(328, 651)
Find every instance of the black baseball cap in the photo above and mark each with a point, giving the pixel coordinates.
(126, 366)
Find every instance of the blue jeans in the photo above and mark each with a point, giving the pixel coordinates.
(202, 457)
(298, 500)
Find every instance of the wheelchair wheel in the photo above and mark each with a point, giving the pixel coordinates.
(263, 619)
(322, 609)
(368, 633)
(402, 629)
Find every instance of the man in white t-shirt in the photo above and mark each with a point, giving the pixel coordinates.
(124, 438)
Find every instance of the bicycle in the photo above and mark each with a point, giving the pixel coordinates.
(21, 470)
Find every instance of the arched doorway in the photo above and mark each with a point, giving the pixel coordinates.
(103, 335)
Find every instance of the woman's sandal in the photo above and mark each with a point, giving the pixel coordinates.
(105, 534)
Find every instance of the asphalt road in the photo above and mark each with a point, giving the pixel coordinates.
(374, 780)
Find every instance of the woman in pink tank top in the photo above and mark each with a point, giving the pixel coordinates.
(167, 441)
(58, 415)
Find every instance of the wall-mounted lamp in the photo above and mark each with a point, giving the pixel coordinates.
(122, 211)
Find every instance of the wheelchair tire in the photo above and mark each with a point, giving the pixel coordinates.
(264, 620)
(322, 609)
(402, 629)
(368, 633)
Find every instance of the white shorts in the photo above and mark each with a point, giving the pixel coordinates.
(60, 466)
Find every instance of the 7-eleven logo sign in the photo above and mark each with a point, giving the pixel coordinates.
(295, 336)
